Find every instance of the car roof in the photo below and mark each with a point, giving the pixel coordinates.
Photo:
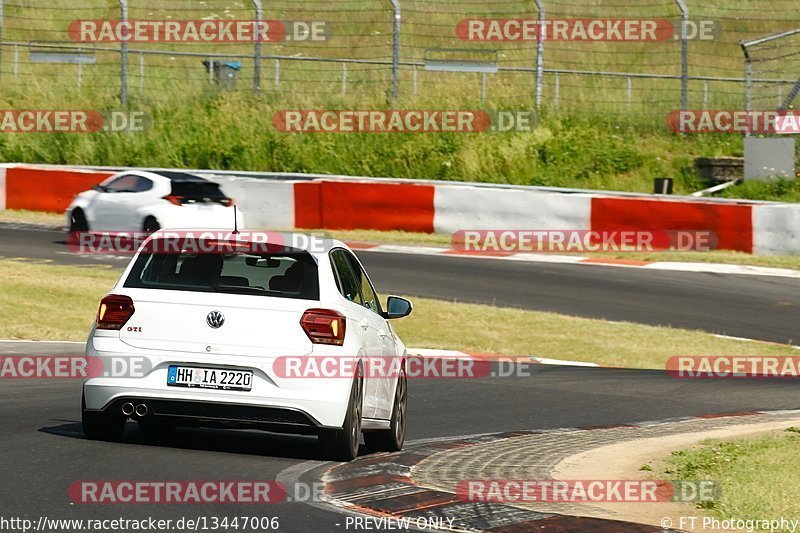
(171, 175)
(299, 240)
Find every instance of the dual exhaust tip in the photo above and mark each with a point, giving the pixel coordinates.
(140, 410)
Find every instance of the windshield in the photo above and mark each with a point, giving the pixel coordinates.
(197, 191)
(286, 275)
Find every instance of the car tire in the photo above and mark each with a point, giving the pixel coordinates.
(151, 225)
(392, 439)
(342, 444)
(156, 426)
(77, 221)
(98, 425)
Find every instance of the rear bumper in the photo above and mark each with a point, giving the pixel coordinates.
(214, 414)
(294, 403)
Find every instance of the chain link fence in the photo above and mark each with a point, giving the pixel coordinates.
(410, 52)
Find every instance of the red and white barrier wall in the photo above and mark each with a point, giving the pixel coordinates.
(762, 228)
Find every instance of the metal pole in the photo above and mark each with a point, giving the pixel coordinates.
(141, 73)
(1, 37)
(16, 60)
(396, 50)
(277, 74)
(558, 90)
(344, 80)
(123, 91)
(684, 54)
(748, 79)
(483, 86)
(414, 80)
(257, 49)
(629, 89)
(539, 53)
(80, 70)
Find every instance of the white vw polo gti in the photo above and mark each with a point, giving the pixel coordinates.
(213, 334)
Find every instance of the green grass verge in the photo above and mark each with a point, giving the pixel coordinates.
(756, 475)
(42, 301)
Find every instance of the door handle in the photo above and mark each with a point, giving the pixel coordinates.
(364, 324)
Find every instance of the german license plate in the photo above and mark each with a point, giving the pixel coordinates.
(209, 378)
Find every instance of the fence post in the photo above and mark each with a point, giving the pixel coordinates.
(684, 54)
(123, 50)
(539, 53)
(396, 50)
(1, 37)
(141, 73)
(557, 90)
(748, 80)
(629, 89)
(257, 48)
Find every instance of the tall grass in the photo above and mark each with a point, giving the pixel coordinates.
(591, 137)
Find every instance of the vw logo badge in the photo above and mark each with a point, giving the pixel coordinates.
(215, 319)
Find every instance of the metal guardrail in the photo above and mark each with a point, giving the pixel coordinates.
(295, 176)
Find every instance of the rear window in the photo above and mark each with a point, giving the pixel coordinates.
(284, 275)
(197, 191)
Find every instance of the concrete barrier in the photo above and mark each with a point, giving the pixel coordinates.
(425, 206)
(776, 229)
(459, 208)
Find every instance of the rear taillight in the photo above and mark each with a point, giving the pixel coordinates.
(227, 202)
(115, 310)
(324, 326)
(173, 199)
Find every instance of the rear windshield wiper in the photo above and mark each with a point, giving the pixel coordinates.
(239, 288)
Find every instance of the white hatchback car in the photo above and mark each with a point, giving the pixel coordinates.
(137, 200)
(207, 330)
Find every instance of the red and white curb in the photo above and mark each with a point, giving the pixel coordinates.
(675, 266)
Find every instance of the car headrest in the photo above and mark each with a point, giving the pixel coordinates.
(238, 281)
(291, 281)
(204, 266)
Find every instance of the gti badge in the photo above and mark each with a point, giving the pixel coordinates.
(215, 319)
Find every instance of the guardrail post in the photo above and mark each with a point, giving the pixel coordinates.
(123, 51)
(539, 53)
(684, 54)
(395, 50)
(257, 48)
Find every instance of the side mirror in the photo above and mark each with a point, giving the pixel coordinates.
(397, 307)
(100, 188)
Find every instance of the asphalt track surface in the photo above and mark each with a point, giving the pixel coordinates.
(756, 307)
(43, 449)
